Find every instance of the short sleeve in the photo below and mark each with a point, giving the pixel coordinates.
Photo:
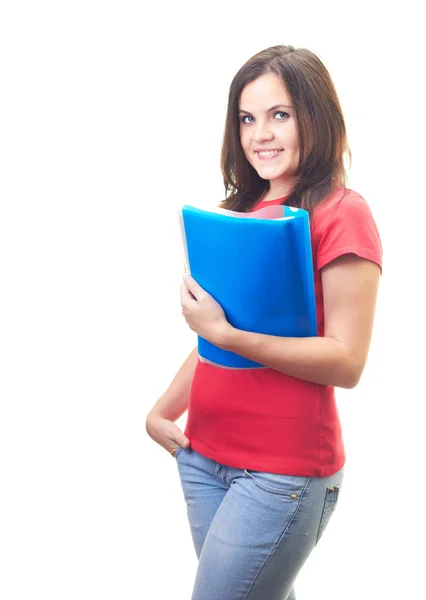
(349, 228)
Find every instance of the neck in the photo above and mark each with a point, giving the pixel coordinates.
(279, 190)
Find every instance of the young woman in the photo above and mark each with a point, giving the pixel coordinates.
(262, 458)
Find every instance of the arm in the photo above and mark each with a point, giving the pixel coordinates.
(350, 286)
(174, 402)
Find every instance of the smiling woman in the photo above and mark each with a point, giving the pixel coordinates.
(264, 445)
(283, 99)
(269, 136)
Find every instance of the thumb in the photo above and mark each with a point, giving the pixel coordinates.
(176, 435)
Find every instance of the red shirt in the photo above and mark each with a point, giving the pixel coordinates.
(262, 419)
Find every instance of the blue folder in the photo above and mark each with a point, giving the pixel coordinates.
(259, 270)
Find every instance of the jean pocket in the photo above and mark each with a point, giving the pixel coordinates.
(274, 483)
(178, 451)
(330, 502)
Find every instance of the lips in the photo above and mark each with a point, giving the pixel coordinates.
(275, 153)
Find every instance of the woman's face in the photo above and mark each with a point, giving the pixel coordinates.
(267, 123)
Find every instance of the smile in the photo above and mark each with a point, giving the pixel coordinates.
(267, 154)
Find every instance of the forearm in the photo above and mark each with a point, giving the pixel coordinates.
(322, 360)
(174, 402)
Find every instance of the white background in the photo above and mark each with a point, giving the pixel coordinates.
(112, 117)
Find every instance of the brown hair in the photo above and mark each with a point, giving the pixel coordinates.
(320, 127)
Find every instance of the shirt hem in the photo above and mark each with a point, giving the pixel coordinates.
(279, 466)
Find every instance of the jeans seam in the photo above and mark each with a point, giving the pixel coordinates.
(329, 503)
(279, 539)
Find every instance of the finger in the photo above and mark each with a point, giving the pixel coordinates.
(194, 287)
(184, 442)
(181, 440)
(185, 295)
(176, 435)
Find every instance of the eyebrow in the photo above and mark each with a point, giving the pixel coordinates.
(269, 109)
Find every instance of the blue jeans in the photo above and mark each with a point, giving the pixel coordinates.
(252, 530)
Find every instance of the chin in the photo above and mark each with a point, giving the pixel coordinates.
(274, 177)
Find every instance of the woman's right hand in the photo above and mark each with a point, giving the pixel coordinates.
(165, 433)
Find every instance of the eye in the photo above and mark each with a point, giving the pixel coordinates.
(286, 115)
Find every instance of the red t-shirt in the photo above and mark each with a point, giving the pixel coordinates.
(262, 419)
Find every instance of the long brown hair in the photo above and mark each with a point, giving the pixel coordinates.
(320, 127)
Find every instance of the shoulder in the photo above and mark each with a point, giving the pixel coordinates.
(344, 224)
(342, 205)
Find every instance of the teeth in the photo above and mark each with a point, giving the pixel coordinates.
(269, 153)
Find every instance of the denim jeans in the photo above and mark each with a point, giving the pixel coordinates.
(252, 530)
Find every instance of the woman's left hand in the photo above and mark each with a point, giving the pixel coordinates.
(203, 314)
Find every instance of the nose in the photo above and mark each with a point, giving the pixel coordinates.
(262, 132)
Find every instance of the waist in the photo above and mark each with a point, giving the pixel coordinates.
(263, 418)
